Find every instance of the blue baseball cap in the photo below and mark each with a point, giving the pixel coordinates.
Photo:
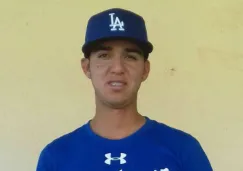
(116, 23)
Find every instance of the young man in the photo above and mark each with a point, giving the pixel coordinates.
(118, 137)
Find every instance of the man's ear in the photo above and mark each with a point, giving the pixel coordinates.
(146, 70)
(85, 63)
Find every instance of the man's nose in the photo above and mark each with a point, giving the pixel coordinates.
(117, 65)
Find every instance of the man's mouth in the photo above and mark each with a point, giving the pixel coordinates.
(117, 83)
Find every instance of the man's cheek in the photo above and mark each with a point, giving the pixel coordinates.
(101, 65)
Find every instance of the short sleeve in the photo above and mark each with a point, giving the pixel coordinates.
(195, 158)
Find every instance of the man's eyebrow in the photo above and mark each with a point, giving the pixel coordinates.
(101, 47)
(135, 50)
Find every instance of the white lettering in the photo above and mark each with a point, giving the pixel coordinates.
(116, 23)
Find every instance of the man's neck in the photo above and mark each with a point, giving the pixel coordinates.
(116, 123)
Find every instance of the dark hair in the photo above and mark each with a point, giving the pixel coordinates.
(90, 48)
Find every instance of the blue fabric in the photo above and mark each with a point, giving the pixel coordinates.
(154, 147)
(117, 23)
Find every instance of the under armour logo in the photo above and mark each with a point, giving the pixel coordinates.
(166, 169)
(115, 22)
(109, 158)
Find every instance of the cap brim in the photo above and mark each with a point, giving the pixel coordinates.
(147, 47)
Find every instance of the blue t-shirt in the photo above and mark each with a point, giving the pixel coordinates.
(154, 147)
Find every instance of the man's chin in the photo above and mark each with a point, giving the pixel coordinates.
(117, 104)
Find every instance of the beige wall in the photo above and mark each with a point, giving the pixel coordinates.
(196, 81)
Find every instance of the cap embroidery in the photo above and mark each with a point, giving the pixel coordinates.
(116, 23)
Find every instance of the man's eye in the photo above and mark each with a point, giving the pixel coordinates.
(103, 55)
(131, 57)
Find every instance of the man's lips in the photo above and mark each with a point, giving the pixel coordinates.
(117, 83)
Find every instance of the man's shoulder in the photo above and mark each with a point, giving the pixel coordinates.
(169, 131)
(68, 140)
(183, 145)
(62, 148)
(171, 136)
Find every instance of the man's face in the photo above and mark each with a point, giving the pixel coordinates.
(116, 69)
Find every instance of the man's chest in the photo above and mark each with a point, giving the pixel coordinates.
(122, 160)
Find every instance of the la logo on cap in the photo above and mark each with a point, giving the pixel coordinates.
(116, 23)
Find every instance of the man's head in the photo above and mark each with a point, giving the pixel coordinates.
(116, 52)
